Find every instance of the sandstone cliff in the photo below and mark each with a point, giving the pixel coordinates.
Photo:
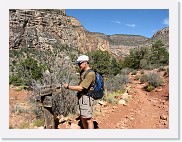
(44, 29)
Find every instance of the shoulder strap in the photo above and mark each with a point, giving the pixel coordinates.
(87, 73)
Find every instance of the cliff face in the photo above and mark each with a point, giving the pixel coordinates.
(162, 35)
(44, 29)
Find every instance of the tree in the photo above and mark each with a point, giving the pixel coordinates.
(160, 55)
(104, 63)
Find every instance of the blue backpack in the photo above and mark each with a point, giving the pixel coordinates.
(98, 91)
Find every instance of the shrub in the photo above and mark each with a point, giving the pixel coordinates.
(38, 122)
(142, 71)
(24, 125)
(154, 79)
(161, 68)
(143, 78)
(143, 64)
(147, 58)
(104, 63)
(115, 83)
(111, 97)
(150, 88)
(27, 70)
(134, 72)
(125, 71)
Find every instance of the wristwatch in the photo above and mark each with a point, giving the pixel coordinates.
(67, 87)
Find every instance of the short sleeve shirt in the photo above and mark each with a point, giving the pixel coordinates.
(88, 81)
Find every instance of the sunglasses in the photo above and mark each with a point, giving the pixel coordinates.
(80, 63)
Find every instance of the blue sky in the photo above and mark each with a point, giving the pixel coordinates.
(144, 22)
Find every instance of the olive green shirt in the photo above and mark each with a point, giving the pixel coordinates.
(89, 80)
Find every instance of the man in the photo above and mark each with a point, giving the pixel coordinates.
(85, 102)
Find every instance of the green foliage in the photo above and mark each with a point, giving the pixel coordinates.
(125, 71)
(150, 88)
(24, 125)
(134, 72)
(147, 58)
(38, 122)
(111, 97)
(104, 63)
(153, 79)
(143, 78)
(27, 69)
(160, 55)
(115, 83)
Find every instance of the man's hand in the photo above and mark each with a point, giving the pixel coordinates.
(66, 85)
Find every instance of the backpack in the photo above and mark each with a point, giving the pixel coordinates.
(98, 91)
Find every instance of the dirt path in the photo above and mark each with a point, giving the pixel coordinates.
(144, 111)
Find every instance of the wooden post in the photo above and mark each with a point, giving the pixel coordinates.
(49, 118)
(45, 98)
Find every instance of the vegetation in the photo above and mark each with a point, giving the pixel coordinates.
(111, 97)
(147, 58)
(104, 63)
(35, 68)
(152, 79)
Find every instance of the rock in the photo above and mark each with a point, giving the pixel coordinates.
(41, 127)
(115, 107)
(158, 90)
(102, 103)
(122, 102)
(131, 118)
(163, 117)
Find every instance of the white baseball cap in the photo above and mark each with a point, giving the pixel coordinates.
(82, 58)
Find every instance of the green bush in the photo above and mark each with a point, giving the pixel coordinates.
(143, 78)
(24, 125)
(134, 72)
(147, 58)
(111, 97)
(104, 63)
(150, 88)
(116, 83)
(27, 70)
(154, 79)
(39, 122)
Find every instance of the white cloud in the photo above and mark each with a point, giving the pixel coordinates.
(166, 21)
(154, 31)
(116, 22)
(131, 25)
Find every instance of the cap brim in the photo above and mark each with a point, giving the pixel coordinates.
(77, 62)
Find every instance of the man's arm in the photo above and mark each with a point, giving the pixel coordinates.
(74, 88)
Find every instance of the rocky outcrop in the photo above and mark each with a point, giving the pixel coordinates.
(162, 35)
(45, 29)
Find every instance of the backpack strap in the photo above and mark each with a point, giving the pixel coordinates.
(89, 70)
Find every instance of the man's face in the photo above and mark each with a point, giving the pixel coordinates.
(81, 65)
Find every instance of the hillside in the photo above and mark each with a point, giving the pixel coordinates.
(162, 35)
(45, 29)
(142, 110)
(43, 44)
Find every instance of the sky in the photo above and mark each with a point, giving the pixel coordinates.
(144, 22)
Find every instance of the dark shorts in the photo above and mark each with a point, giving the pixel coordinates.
(85, 106)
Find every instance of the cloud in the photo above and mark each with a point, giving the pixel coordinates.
(116, 22)
(166, 21)
(154, 31)
(131, 25)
